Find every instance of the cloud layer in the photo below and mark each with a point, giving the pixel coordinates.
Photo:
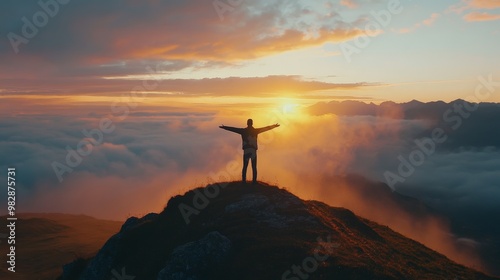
(153, 154)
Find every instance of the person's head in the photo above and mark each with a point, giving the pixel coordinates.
(250, 122)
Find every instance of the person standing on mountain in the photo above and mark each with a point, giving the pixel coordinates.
(249, 138)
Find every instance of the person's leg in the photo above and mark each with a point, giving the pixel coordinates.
(254, 167)
(245, 165)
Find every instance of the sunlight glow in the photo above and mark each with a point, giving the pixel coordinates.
(289, 108)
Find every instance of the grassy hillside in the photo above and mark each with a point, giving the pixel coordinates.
(45, 242)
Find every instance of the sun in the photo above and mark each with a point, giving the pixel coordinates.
(289, 108)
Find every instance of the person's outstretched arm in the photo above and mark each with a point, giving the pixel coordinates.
(266, 128)
(232, 129)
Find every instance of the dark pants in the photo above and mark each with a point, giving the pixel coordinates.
(250, 155)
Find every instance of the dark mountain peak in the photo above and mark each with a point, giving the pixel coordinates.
(236, 231)
(389, 103)
(413, 102)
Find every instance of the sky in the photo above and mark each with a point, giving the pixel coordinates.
(374, 50)
(140, 87)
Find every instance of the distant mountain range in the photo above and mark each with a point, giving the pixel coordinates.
(478, 122)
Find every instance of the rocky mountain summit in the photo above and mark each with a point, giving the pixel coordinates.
(237, 231)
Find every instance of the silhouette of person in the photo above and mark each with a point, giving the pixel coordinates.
(250, 147)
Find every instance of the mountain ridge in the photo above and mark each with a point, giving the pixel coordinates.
(237, 231)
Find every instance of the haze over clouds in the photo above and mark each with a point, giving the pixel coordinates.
(150, 140)
(152, 155)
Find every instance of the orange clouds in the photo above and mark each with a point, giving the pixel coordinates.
(427, 22)
(238, 44)
(485, 4)
(349, 3)
(121, 39)
(270, 86)
(432, 19)
(477, 5)
(481, 16)
(186, 31)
